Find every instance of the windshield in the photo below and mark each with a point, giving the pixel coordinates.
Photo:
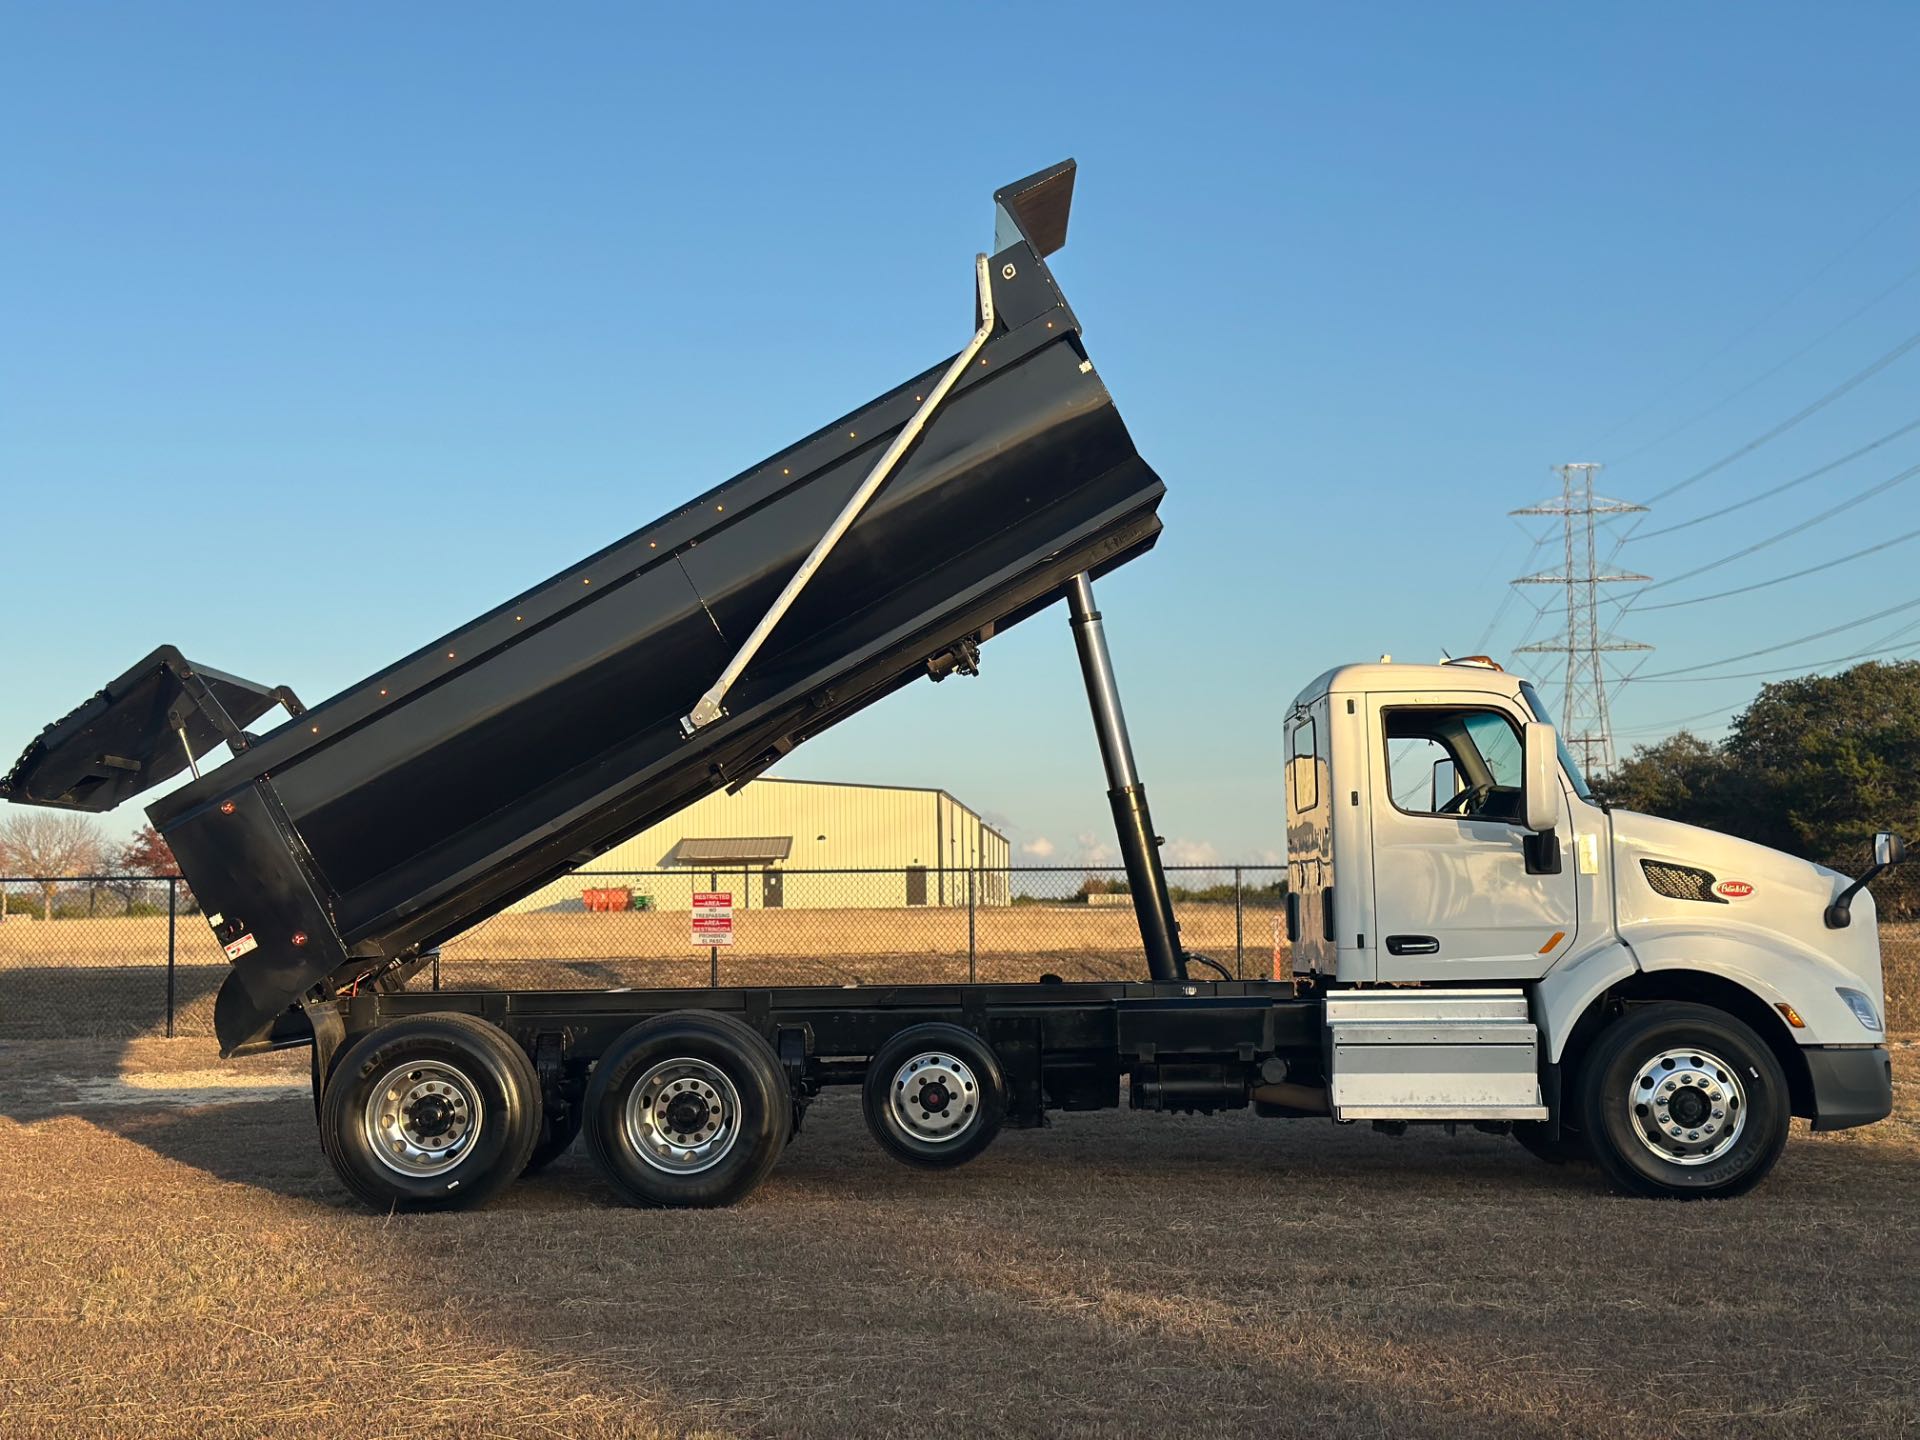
(1541, 713)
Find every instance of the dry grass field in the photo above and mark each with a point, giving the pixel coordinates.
(175, 1259)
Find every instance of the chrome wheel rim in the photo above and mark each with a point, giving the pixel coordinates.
(683, 1116)
(1688, 1106)
(935, 1097)
(423, 1118)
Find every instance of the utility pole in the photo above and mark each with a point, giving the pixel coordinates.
(1584, 721)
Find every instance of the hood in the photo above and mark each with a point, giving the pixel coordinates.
(1670, 874)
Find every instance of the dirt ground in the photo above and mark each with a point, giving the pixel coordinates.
(175, 1259)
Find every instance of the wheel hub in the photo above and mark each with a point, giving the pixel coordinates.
(1688, 1106)
(936, 1097)
(431, 1116)
(422, 1118)
(683, 1116)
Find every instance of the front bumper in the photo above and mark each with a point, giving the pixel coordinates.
(1851, 1085)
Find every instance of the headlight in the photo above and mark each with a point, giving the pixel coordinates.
(1862, 1008)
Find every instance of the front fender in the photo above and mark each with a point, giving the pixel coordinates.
(1773, 967)
(1565, 992)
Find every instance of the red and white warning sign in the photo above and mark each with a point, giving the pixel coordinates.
(712, 918)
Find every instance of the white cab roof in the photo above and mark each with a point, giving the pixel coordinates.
(1385, 675)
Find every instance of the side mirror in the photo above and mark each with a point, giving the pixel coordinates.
(1540, 778)
(1888, 851)
(1446, 784)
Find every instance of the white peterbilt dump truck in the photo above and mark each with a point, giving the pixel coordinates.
(1474, 940)
(1653, 995)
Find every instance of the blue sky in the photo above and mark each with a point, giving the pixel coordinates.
(324, 328)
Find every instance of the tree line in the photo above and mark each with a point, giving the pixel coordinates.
(44, 846)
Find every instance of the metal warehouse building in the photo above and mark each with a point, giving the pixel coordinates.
(889, 846)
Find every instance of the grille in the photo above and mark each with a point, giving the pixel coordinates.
(1680, 882)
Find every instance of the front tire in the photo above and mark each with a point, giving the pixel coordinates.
(688, 1109)
(1684, 1102)
(434, 1113)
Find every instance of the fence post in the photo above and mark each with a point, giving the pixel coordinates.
(1239, 925)
(436, 969)
(173, 912)
(973, 945)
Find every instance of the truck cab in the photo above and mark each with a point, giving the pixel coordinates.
(1440, 836)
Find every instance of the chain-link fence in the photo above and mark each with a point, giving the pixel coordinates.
(104, 955)
(123, 956)
(129, 956)
(865, 927)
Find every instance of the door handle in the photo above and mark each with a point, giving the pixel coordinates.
(1412, 945)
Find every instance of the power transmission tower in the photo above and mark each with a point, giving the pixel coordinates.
(1584, 722)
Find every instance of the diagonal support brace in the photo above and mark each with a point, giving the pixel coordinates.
(712, 705)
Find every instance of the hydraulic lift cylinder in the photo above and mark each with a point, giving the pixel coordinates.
(1132, 822)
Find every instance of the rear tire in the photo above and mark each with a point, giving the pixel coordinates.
(435, 1113)
(1684, 1102)
(935, 1096)
(688, 1109)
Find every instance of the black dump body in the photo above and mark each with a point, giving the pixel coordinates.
(440, 789)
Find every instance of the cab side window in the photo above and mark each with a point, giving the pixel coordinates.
(1303, 775)
(1454, 761)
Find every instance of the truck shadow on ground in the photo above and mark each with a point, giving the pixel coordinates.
(1114, 1274)
(111, 1002)
(270, 1145)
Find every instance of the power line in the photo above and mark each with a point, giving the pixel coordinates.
(1632, 601)
(1783, 645)
(1676, 721)
(1781, 489)
(1858, 378)
(1768, 374)
(1806, 667)
(1781, 579)
(1506, 601)
(1772, 311)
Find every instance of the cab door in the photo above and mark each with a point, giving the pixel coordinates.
(1453, 896)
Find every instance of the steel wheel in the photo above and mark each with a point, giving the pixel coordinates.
(936, 1097)
(1682, 1100)
(1689, 1106)
(688, 1108)
(683, 1116)
(422, 1118)
(433, 1113)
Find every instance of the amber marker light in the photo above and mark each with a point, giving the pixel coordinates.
(1793, 1015)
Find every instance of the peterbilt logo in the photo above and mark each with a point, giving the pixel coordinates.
(1733, 889)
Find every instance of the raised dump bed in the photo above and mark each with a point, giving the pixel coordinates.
(371, 827)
